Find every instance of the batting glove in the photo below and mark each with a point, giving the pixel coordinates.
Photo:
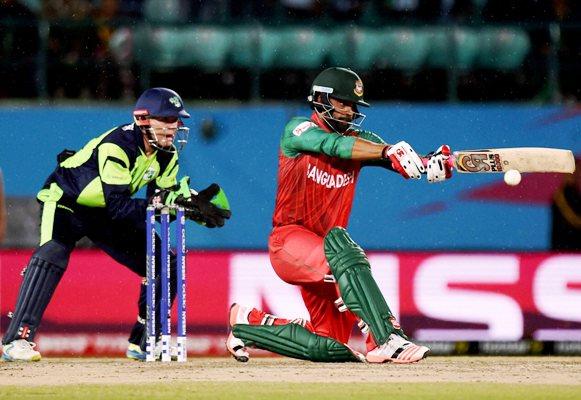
(438, 165)
(405, 160)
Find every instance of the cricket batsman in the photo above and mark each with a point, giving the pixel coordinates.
(319, 163)
(90, 193)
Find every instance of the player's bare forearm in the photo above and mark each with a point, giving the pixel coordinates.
(371, 154)
(366, 150)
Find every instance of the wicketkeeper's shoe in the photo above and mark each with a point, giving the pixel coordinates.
(134, 352)
(237, 315)
(20, 350)
(397, 350)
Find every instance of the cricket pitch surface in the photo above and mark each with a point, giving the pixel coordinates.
(274, 378)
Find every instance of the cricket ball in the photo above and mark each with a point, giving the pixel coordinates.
(512, 177)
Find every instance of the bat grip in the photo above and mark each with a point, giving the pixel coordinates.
(451, 160)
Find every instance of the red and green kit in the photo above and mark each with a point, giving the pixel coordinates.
(310, 248)
(316, 176)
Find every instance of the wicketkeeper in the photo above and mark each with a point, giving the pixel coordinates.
(90, 194)
(319, 163)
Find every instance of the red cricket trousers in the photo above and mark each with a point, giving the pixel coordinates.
(297, 256)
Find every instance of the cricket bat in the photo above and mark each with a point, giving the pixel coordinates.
(523, 159)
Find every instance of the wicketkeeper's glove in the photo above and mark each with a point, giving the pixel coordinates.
(168, 197)
(209, 207)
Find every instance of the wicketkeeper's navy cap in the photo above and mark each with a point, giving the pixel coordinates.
(160, 102)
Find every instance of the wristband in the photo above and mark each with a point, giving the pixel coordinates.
(384, 151)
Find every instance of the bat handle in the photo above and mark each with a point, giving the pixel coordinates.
(451, 161)
(445, 150)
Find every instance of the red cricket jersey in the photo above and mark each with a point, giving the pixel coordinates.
(315, 190)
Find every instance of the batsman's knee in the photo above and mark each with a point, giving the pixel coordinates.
(342, 252)
(294, 341)
(323, 349)
(359, 291)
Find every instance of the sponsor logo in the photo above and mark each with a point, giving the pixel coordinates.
(303, 127)
(358, 88)
(495, 162)
(474, 162)
(149, 174)
(175, 101)
(322, 89)
(24, 332)
(543, 287)
(330, 181)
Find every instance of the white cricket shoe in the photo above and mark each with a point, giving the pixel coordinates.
(236, 348)
(20, 350)
(397, 350)
(237, 315)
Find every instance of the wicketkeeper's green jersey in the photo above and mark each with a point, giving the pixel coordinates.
(110, 169)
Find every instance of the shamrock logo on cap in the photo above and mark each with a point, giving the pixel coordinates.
(175, 101)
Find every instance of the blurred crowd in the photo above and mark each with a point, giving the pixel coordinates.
(280, 10)
(424, 10)
(60, 48)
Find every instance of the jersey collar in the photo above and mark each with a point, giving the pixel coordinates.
(320, 122)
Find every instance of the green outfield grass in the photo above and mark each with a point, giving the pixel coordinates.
(290, 391)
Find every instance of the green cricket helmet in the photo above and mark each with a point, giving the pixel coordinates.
(342, 84)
